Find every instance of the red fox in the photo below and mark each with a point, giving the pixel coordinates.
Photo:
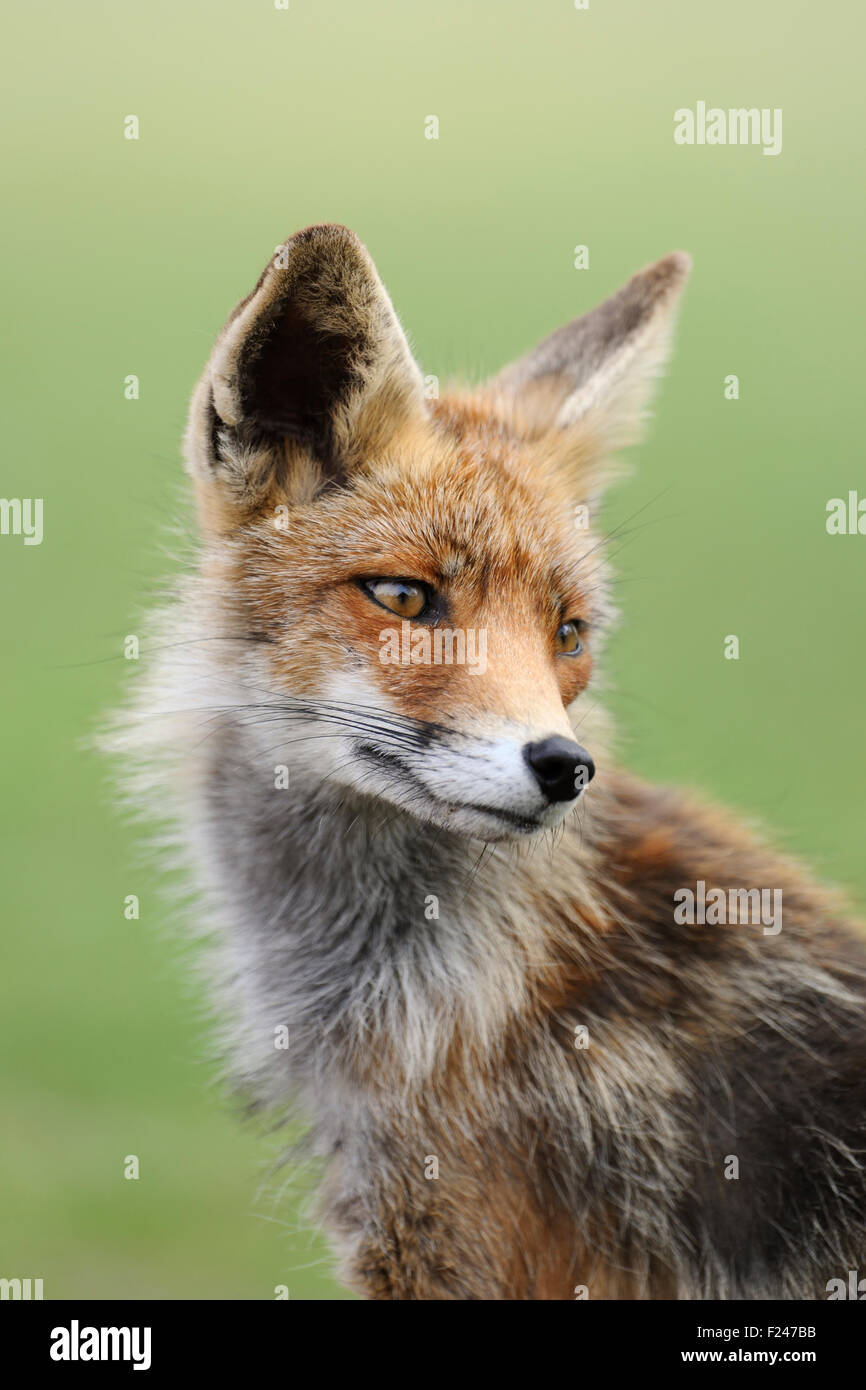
(556, 1033)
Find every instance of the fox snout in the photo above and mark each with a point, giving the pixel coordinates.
(489, 783)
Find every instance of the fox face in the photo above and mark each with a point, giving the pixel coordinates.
(408, 594)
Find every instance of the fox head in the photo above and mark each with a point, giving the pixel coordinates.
(410, 590)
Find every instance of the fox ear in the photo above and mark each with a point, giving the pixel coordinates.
(598, 371)
(314, 358)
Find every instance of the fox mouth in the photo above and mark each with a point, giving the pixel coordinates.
(389, 762)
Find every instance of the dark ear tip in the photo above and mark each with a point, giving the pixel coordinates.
(680, 264)
(657, 284)
(669, 273)
(322, 237)
(324, 231)
(328, 231)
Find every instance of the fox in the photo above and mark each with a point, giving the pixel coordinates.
(440, 922)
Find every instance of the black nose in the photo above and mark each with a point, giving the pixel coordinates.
(562, 768)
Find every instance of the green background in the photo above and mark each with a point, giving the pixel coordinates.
(556, 129)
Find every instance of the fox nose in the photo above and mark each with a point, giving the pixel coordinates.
(561, 767)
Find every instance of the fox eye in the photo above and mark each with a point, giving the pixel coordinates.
(401, 596)
(568, 641)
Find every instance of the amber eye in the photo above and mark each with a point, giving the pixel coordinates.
(568, 641)
(401, 596)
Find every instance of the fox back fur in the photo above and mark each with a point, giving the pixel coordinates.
(526, 1077)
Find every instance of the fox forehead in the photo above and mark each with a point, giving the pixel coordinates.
(456, 504)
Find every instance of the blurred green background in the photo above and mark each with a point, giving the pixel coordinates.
(556, 129)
